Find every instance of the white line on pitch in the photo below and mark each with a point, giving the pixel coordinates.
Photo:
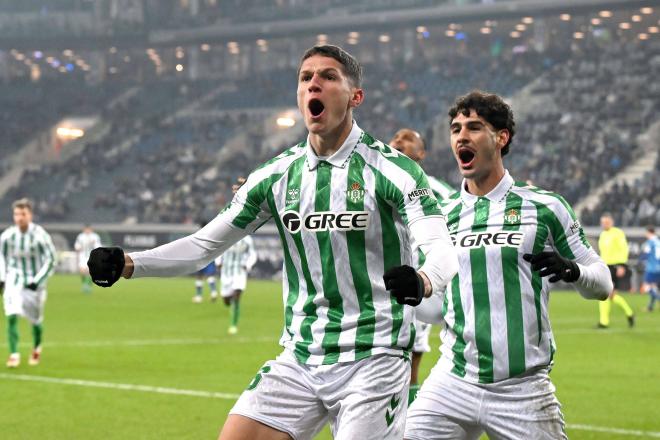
(147, 342)
(630, 432)
(119, 386)
(229, 396)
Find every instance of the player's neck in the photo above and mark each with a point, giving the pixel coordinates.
(480, 186)
(327, 144)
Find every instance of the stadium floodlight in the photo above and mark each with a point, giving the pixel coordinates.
(179, 67)
(70, 133)
(565, 17)
(384, 38)
(285, 122)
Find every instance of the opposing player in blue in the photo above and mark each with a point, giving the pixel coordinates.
(651, 256)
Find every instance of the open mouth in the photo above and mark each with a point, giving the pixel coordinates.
(466, 156)
(316, 107)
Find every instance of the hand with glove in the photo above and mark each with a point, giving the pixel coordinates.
(2, 288)
(32, 286)
(551, 263)
(106, 265)
(405, 284)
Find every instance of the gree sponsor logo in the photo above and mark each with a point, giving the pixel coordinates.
(481, 239)
(326, 221)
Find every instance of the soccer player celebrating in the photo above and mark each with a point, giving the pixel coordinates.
(235, 264)
(410, 143)
(347, 208)
(512, 240)
(85, 242)
(28, 258)
(651, 258)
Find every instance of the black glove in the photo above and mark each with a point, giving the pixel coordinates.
(106, 265)
(2, 287)
(551, 263)
(405, 284)
(32, 286)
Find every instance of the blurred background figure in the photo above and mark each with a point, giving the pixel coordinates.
(85, 242)
(651, 258)
(613, 248)
(235, 265)
(28, 259)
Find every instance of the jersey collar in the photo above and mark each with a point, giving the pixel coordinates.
(497, 194)
(341, 156)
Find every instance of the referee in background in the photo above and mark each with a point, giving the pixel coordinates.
(613, 248)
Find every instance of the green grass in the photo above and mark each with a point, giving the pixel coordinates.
(148, 332)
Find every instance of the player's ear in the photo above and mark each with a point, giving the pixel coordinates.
(503, 137)
(357, 96)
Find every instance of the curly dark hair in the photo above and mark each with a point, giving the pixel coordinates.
(489, 106)
(352, 68)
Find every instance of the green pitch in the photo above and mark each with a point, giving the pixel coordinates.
(141, 361)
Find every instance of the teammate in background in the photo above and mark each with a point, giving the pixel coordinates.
(497, 343)
(28, 259)
(85, 242)
(347, 208)
(410, 143)
(208, 273)
(234, 265)
(651, 258)
(613, 248)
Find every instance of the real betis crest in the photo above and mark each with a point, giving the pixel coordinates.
(512, 216)
(355, 194)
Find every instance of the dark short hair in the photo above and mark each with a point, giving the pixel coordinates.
(22, 203)
(352, 68)
(651, 229)
(489, 106)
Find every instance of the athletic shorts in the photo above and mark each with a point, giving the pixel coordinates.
(652, 278)
(19, 300)
(365, 399)
(82, 265)
(448, 407)
(233, 283)
(208, 270)
(619, 283)
(422, 332)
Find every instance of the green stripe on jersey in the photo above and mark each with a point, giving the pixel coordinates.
(253, 202)
(480, 295)
(459, 316)
(357, 257)
(512, 291)
(23, 260)
(537, 282)
(330, 287)
(548, 218)
(293, 290)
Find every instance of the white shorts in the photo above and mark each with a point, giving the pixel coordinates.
(231, 284)
(422, 332)
(448, 407)
(82, 265)
(365, 399)
(19, 300)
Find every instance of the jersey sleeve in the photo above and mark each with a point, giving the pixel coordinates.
(251, 254)
(78, 244)
(47, 250)
(566, 234)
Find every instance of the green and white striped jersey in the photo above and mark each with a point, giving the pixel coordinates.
(440, 188)
(496, 309)
(342, 222)
(238, 259)
(28, 257)
(85, 243)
